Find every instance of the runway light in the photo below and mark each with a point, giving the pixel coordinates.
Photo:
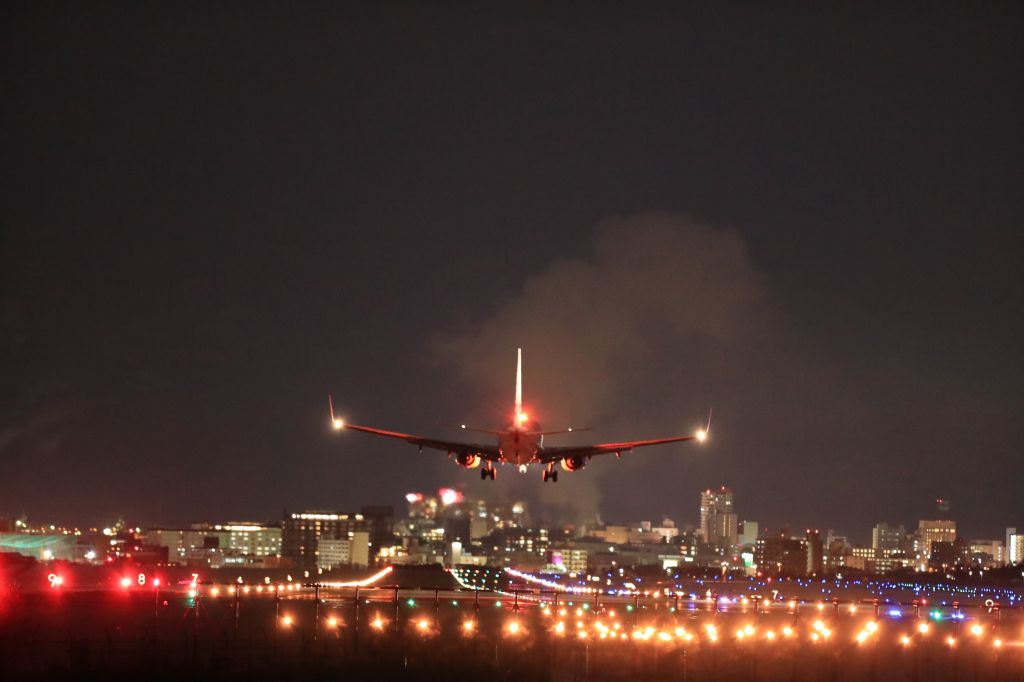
(905, 640)
(872, 626)
(156, 582)
(214, 591)
(814, 636)
(923, 628)
(997, 643)
(423, 625)
(126, 582)
(513, 628)
(950, 641)
(468, 626)
(769, 635)
(819, 625)
(286, 621)
(332, 622)
(977, 630)
(377, 623)
(787, 631)
(559, 627)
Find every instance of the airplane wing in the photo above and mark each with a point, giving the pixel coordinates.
(554, 454)
(488, 452)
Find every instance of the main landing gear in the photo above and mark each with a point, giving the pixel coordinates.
(487, 472)
(550, 474)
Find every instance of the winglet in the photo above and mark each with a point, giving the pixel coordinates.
(338, 424)
(702, 435)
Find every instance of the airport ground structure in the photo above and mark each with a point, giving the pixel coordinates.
(430, 623)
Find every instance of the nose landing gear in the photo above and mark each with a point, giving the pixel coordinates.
(487, 472)
(550, 474)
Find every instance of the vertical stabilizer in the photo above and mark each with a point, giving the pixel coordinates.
(519, 382)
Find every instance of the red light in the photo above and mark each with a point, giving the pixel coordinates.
(156, 582)
(126, 582)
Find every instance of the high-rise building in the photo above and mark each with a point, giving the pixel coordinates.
(302, 532)
(778, 554)
(990, 553)
(718, 521)
(1014, 547)
(886, 539)
(252, 539)
(937, 530)
(815, 552)
(747, 533)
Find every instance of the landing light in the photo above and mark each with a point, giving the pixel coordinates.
(338, 424)
(702, 435)
(522, 417)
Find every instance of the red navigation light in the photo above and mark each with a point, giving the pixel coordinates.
(449, 496)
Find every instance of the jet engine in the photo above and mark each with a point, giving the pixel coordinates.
(467, 460)
(574, 463)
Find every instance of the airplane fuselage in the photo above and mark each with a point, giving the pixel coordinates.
(518, 446)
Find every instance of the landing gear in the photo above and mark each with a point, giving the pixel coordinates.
(550, 474)
(487, 472)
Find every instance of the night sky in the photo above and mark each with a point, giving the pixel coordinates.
(809, 219)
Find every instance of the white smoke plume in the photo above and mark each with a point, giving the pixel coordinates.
(624, 337)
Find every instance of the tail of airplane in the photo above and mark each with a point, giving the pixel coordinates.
(519, 382)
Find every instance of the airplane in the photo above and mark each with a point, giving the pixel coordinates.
(521, 443)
